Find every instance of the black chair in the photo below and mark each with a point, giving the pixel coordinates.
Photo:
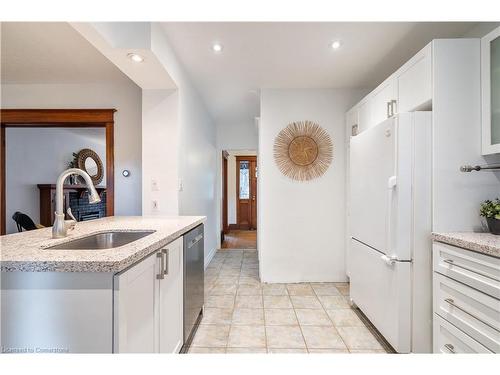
(23, 221)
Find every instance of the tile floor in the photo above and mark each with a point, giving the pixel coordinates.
(243, 315)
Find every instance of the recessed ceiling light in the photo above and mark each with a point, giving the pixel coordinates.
(217, 47)
(135, 57)
(335, 44)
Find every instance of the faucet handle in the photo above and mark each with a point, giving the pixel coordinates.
(70, 214)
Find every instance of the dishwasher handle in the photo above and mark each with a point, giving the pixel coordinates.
(194, 241)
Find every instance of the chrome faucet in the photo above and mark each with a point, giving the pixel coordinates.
(61, 226)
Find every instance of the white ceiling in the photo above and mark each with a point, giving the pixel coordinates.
(52, 52)
(286, 55)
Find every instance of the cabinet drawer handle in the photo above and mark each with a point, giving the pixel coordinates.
(166, 262)
(161, 275)
(451, 302)
(388, 109)
(452, 263)
(450, 348)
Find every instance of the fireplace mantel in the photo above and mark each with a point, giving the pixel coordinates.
(47, 199)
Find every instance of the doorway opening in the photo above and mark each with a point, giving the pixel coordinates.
(239, 199)
(50, 137)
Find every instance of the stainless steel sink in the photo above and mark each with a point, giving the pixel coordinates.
(103, 240)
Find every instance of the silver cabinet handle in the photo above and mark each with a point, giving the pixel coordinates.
(394, 107)
(452, 263)
(388, 109)
(450, 348)
(451, 302)
(161, 275)
(166, 264)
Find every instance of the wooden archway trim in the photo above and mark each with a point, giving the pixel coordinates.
(60, 118)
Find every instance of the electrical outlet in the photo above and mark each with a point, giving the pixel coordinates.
(155, 205)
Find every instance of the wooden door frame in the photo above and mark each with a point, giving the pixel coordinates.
(225, 225)
(60, 118)
(238, 158)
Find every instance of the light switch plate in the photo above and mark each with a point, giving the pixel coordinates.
(155, 185)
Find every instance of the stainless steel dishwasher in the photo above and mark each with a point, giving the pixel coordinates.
(194, 282)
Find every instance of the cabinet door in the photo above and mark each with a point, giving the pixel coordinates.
(415, 85)
(490, 86)
(352, 128)
(364, 118)
(134, 308)
(380, 102)
(170, 299)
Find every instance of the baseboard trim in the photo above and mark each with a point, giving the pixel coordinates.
(209, 257)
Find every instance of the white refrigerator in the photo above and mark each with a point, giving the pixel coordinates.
(390, 221)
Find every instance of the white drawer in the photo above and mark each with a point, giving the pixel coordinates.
(479, 271)
(475, 313)
(449, 339)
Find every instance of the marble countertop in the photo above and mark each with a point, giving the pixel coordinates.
(485, 243)
(27, 251)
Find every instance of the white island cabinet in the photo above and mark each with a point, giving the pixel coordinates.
(124, 299)
(148, 304)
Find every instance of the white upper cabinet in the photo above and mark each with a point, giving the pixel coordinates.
(364, 117)
(408, 89)
(490, 86)
(383, 103)
(415, 83)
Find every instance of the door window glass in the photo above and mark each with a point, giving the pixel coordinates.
(244, 179)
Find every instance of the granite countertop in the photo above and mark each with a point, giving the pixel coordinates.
(485, 243)
(27, 252)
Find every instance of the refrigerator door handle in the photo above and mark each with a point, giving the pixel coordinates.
(391, 185)
(389, 260)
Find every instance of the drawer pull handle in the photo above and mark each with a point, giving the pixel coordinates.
(166, 265)
(452, 263)
(451, 302)
(161, 275)
(450, 348)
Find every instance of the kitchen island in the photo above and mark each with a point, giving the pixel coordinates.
(122, 299)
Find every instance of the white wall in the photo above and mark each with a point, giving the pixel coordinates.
(196, 144)
(125, 97)
(301, 224)
(237, 136)
(37, 156)
(160, 152)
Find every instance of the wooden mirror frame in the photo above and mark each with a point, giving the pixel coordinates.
(81, 159)
(60, 118)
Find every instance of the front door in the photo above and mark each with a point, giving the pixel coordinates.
(246, 191)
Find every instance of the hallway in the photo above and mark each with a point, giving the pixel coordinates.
(243, 315)
(240, 239)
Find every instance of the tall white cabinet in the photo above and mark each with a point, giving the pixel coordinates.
(148, 304)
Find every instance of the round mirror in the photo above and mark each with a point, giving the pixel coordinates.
(91, 163)
(91, 167)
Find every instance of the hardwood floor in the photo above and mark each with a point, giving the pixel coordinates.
(240, 239)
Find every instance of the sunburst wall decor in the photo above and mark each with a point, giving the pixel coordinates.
(303, 150)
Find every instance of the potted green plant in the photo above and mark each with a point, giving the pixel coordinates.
(491, 211)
